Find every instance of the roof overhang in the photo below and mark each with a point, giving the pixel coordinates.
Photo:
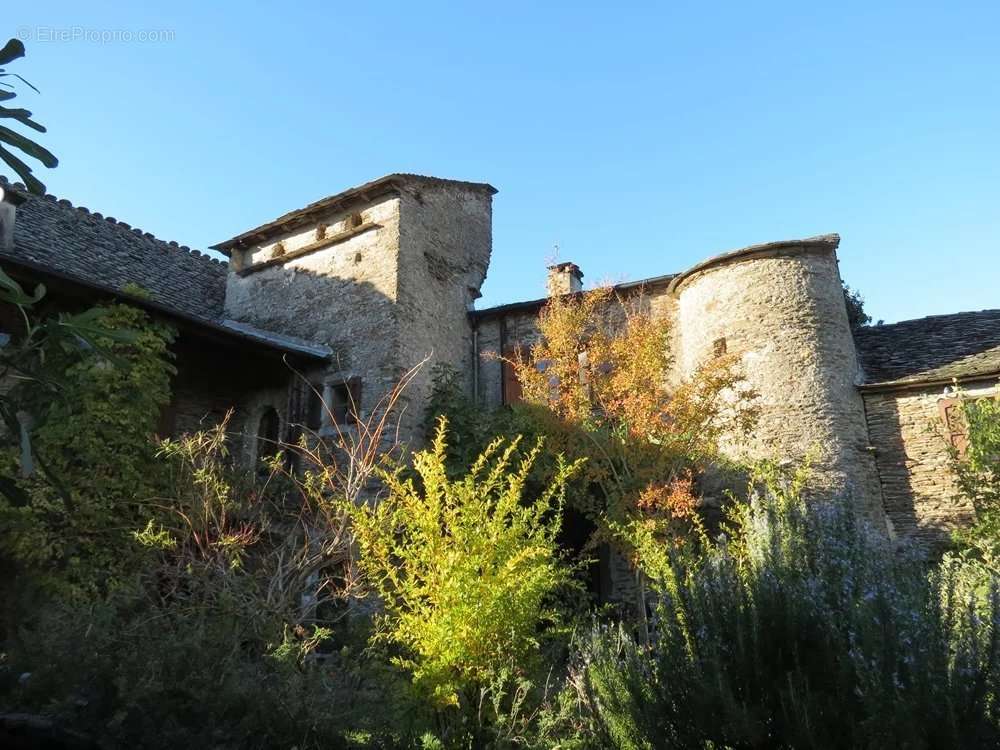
(919, 384)
(344, 201)
(232, 332)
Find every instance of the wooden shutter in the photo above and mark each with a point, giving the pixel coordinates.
(513, 392)
(955, 427)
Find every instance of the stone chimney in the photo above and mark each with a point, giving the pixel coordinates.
(564, 278)
(9, 200)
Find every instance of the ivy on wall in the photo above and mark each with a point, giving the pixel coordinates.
(94, 432)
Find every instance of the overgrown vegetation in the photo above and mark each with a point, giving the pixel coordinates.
(106, 403)
(977, 468)
(169, 595)
(803, 627)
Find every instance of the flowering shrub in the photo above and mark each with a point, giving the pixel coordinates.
(804, 628)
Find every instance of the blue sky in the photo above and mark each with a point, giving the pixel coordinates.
(638, 138)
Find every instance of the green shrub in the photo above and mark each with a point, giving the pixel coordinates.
(978, 473)
(233, 634)
(465, 570)
(804, 628)
(94, 411)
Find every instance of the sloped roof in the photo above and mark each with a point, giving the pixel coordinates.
(78, 243)
(341, 201)
(934, 349)
(74, 244)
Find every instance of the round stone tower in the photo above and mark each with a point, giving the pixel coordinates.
(780, 308)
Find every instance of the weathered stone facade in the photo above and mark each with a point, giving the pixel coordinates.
(922, 502)
(385, 279)
(358, 288)
(780, 308)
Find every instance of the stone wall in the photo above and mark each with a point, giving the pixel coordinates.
(445, 243)
(921, 498)
(343, 295)
(395, 291)
(780, 308)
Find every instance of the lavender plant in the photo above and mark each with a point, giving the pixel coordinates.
(804, 627)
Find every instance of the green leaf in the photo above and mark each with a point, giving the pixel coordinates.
(29, 147)
(11, 51)
(21, 79)
(23, 116)
(11, 291)
(23, 171)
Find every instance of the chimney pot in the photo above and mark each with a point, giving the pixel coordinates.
(9, 201)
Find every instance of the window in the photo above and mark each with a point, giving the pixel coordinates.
(336, 401)
(344, 401)
(719, 347)
(267, 433)
(315, 409)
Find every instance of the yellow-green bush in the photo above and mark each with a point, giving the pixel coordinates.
(464, 568)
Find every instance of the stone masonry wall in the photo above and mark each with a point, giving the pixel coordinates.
(781, 309)
(343, 295)
(921, 498)
(445, 243)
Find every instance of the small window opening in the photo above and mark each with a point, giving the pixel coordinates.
(719, 346)
(315, 408)
(267, 434)
(345, 401)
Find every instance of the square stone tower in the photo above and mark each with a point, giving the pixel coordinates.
(384, 274)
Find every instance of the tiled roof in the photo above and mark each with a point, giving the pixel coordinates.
(938, 348)
(54, 237)
(107, 253)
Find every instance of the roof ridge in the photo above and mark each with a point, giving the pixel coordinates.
(939, 316)
(66, 203)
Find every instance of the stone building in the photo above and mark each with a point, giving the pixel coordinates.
(333, 303)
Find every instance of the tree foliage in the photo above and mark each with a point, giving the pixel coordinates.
(977, 469)
(88, 411)
(11, 138)
(856, 315)
(601, 373)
